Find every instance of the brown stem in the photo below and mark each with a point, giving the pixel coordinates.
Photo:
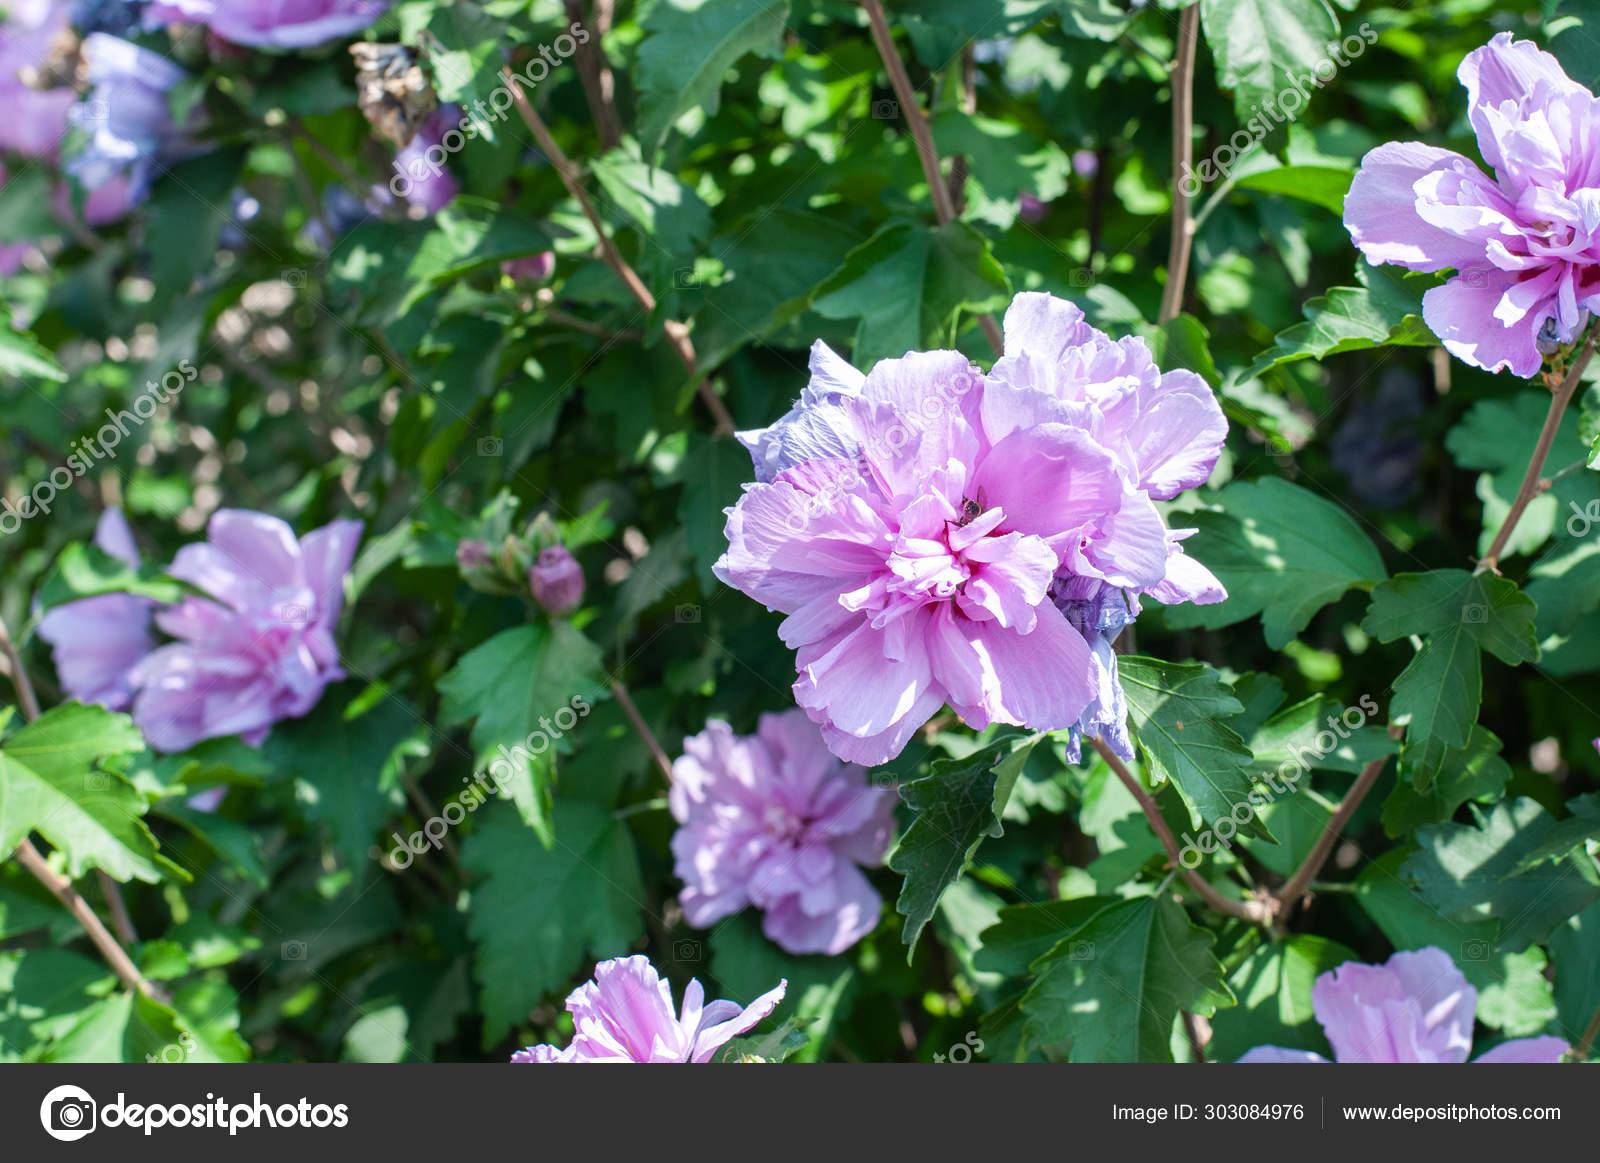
(26, 699)
(675, 331)
(1530, 487)
(121, 921)
(967, 82)
(625, 701)
(1182, 162)
(28, 856)
(1257, 912)
(1289, 895)
(1591, 1031)
(599, 87)
(927, 153)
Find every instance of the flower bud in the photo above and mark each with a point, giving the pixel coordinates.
(556, 580)
(535, 268)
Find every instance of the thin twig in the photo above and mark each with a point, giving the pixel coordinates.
(29, 857)
(121, 920)
(625, 701)
(927, 153)
(424, 808)
(1257, 912)
(599, 87)
(26, 699)
(1547, 437)
(1591, 1031)
(675, 331)
(1289, 895)
(967, 82)
(1182, 162)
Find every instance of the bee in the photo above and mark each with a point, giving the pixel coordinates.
(969, 513)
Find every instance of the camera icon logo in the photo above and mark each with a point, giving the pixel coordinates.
(686, 614)
(1475, 613)
(68, 1113)
(685, 949)
(885, 110)
(1080, 951)
(293, 951)
(490, 446)
(1476, 949)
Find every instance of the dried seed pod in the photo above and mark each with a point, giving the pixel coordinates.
(392, 90)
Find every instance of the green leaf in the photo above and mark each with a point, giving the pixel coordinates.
(655, 201)
(1470, 873)
(1441, 688)
(1383, 312)
(1177, 709)
(1273, 985)
(185, 216)
(53, 781)
(466, 66)
(1183, 342)
(1575, 951)
(1114, 987)
(83, 571)
(538, 915)
(126, 1027)
(1491, 610)
(1324, 186)
(1298, 734)
(713, 471)
(1263, 47)
(1004, 161)
(689, 47)
(746, 965)
(907, 284)
(511, 686)
(238, 844)
(1580, 826)
(23, 358)
(339, 754)
(956, 805)
(1507, 998)
(1282, 552)
(1025, 933)
(1442, 779)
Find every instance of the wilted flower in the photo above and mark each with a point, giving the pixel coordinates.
(1417, 1007)
(625, 1014)
(556, 580)
(97, 642)
(938, 536)
(1523, 244)
(35, 104)
(420, 175)
(775, 821)
(129, 122)
(260, 647)
(271, 23)
(535, 268)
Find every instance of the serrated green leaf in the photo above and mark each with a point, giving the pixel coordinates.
(907, 284)
(1179, 712)
(1469, 872)
(688, 48)
(1263, 47)
(53, 781)
(505, 686)
(541, 915)
(1282, 552)
(1273, 985)
(956, 805)
(1114, 987)
(1382, 312)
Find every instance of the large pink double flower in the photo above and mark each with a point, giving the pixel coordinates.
(937, 536)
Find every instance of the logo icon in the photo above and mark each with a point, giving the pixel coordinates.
(68, 1113)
